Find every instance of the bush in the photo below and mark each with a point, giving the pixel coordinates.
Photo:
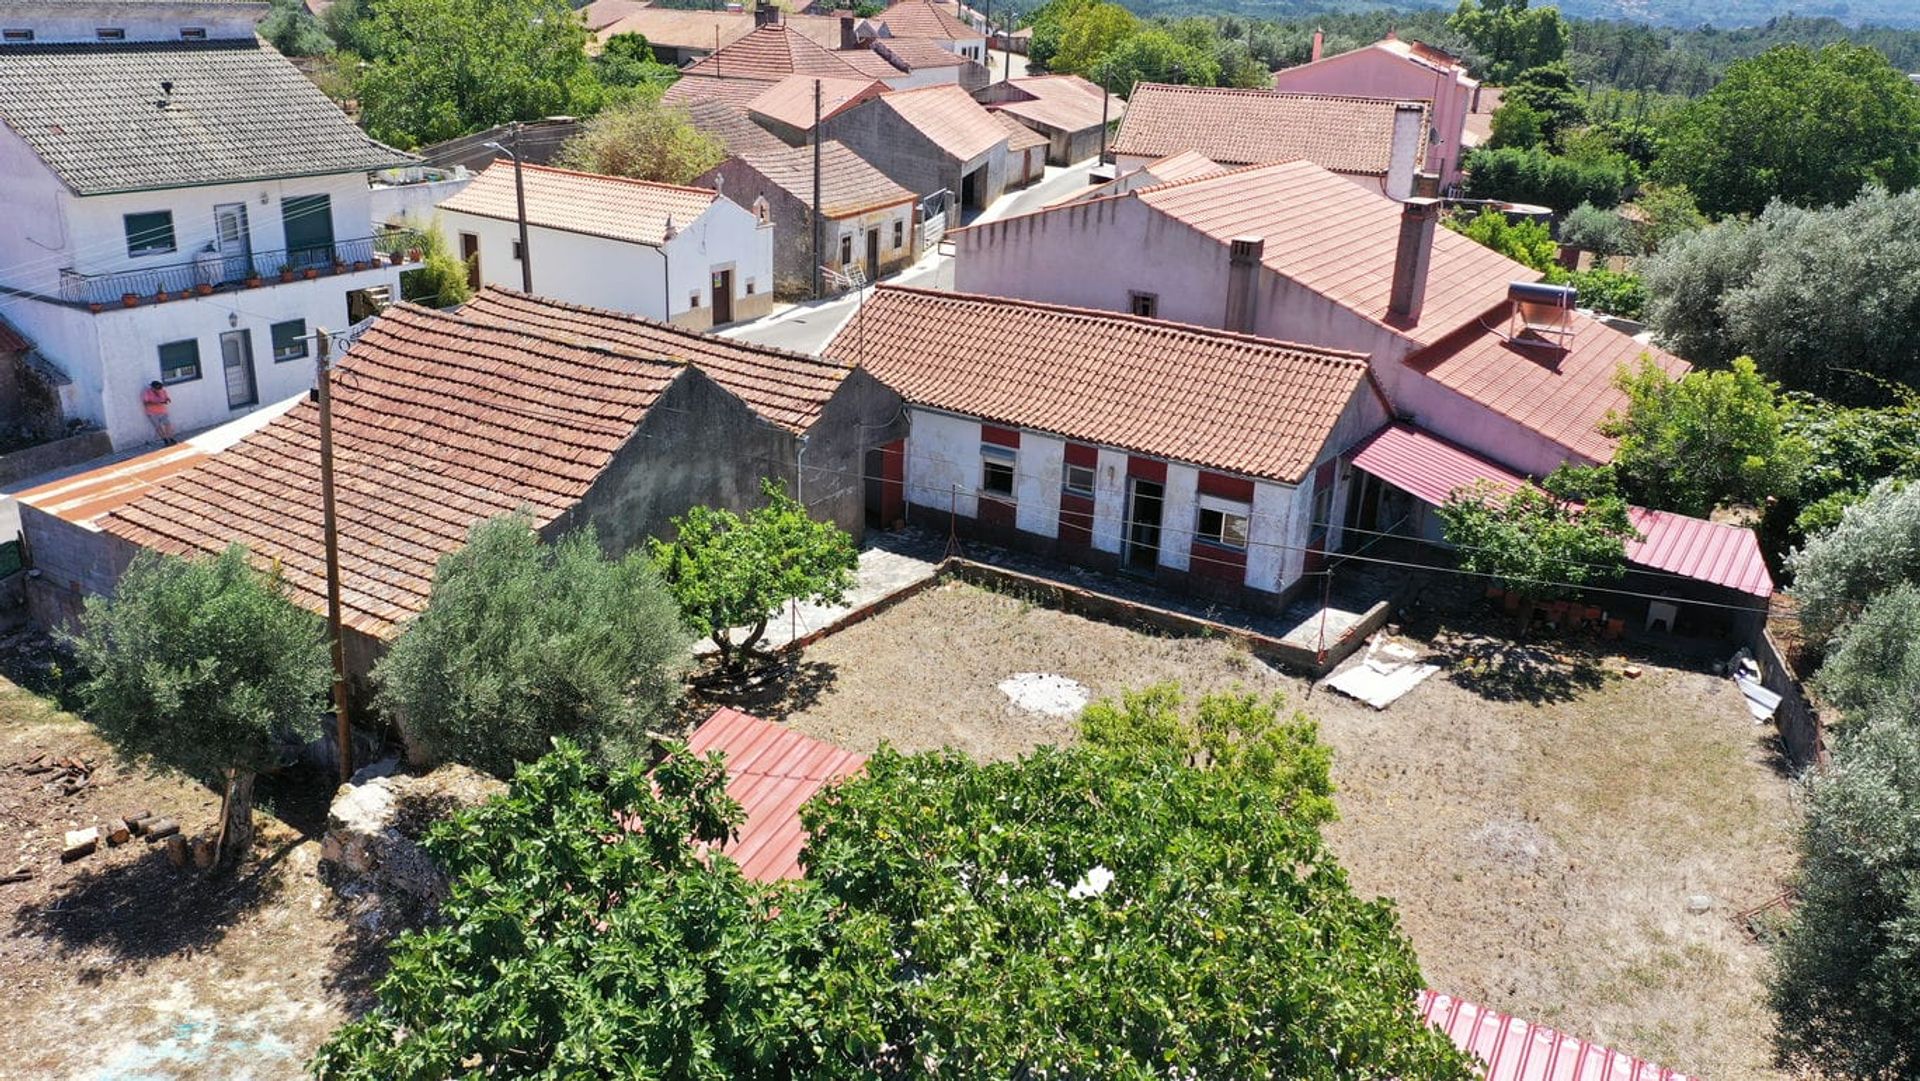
(1526, 242)
(442, 279)
(645, 139)
(1534, 175)
(1610, 291)
(1707, 438)
(1601, 232)
(1875, 547)
(522, 642)
(1873, 669)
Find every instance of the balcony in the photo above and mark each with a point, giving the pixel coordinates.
(211, 271)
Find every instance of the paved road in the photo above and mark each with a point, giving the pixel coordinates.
(807, 328)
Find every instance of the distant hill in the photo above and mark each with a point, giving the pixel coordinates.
(1682, 14)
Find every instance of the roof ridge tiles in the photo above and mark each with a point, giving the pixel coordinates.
(630, 180)
(705, 340)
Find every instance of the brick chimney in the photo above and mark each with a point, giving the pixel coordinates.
(1411, 257)
(1319, 40)
(1244, 254)
(848, 39)
(1403, 156)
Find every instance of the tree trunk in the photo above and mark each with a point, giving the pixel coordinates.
(236, 820)
(725, 645)
(753, 636)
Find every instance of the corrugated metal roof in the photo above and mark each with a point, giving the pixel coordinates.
(1510, 1049)
(1430, 469)
(771, 771)
(85, 498)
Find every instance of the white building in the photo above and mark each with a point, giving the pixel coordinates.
(177, 202)
(663, 251)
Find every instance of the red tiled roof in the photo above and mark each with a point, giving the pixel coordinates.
(692, 91)
(730, 123)
(678, 28)
(1185, 165)
(1562, 395)
(1245, 405)
(790, 101)
(775, 51)
(1241, 127)
(1430, 469)
(85, 498)
(1059, 102)
(927, 21)
(11, 340)
(1510, 1049)
(771, 771)
(1019, 136)
(1339, 240)
(917, 54)
(949, 118)
(613, 207)
(848, 184)
(440, 422)
(603, 13)
(787, 389)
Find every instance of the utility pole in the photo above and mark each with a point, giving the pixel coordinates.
(816, 189)
(1105, 97)
(520, 201)
(343, 729)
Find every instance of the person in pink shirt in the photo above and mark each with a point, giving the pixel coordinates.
(155, 401)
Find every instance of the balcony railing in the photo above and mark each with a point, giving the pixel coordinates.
(213, 270)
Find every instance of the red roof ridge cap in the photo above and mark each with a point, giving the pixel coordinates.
(1190, 329)
(1269, 92)
(629, 180)
(1224, 173)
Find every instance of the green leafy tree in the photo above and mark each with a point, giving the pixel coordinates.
(1844, 983)
(205, 666)
(1535, 175)
(1511, 36)
(1874, 547)
(1666, 213)
(1088, 34)
(1821, 299)
(1542, 541)
(729, 571)
(1611, 291)
(439, 69)
(1527, 242)
(1703, 440)
(1873, 667)
(1850, 450)
(1602, 232)
(627, 61)
(443, 279)
(1156, 56)
(1548, 91)
(523, 641)
(290, 28)
(1810, 128)
(1138, 895)
(1517, 124)
(643, 138)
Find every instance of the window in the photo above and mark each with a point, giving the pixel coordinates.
(749, 286)
(290, 340)
(1223, 522)
(150, 233)
(1078, 480)
(110, 33)
(846, 249)
(308, 223)
(516, 251)
(15, 37)
(1147, 304)
(996, 470)
(899, 234)
(180, 361)
(193, 33)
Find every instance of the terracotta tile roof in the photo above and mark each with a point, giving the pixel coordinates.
(786, 389)
(1185, 165)
(731, 125)
(790, 101)
(1338, 239)
(848, 184)
(1241, 127)
(918, 54)
(1060, 103)
(613, 207)
(440, 422)
(775, 51)
(11, 340)
(1226, 401)
(691, 90)
(926, 21)
(238, 111)
(771, 771)
(949, 118)
(1561, 395)
(603, 13)
(678, 28)
(1020, 138)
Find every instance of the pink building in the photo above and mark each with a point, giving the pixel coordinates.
(1392, 68)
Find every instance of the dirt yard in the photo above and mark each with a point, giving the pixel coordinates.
(119, 966)
(1542, 821)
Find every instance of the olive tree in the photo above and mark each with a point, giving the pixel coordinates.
(1875, 546)
(523, 641)
(204, 665)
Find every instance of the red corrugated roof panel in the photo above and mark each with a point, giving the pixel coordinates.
(771, 771)
(1510, 1049)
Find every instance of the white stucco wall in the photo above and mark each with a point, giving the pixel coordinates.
(943, 456)
(81, 21)
(1037, 477)
(1109, 498)
(1177, 515)
(1269, 566)
(416, 202)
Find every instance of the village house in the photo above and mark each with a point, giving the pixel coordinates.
(1294, 252)
(578, 417)
(1201, 458)
(777, 47)
(663, 251)
(1402, 70)
(1026, 153)
(1182, 166)
(1378, 143)
(930, 140)
(182, 205)
(865, 225)
(1068, 110)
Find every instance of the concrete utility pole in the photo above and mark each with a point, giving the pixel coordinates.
(343, 729)
(520, 199)
(816, 189)
(1105, 97)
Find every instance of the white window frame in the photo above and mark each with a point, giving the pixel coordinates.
(1227, 508)
(994, 454)
(1066, 479)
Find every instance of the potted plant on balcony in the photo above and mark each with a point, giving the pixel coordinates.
(94, 306)
(203, 289)
(160, 296)
(414, 254)
(312, 272)
(359, 265)
(129, 300)
(253, 278)
(286, 273)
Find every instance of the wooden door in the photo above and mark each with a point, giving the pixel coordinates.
(722, 286)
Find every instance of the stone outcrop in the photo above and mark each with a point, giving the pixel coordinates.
(374, 828)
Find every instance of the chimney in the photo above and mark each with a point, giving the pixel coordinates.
(1410, 259)
(766, 14)
(1403, 155)
(848, 39)
(1319, 40)
(1243, 271)
(1426, 185)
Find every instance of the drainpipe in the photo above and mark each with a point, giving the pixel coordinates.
(666, 285)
